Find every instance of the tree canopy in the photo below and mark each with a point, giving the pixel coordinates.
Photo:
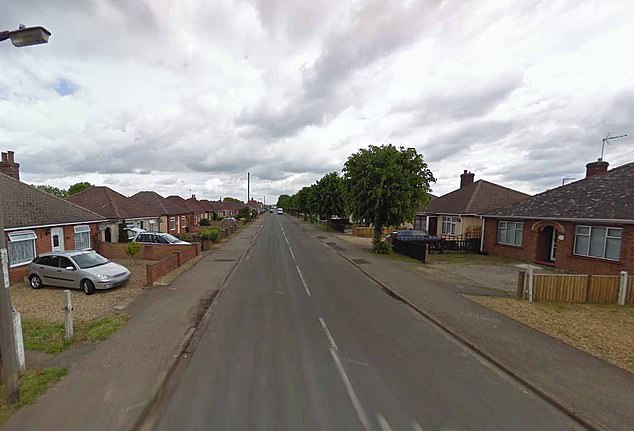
(283, 202)
(78, 187)
(385, 185)
(234, 200)
(328, 196)
(55, 191)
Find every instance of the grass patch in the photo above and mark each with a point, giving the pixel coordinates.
(469, 258)
(32, 385)
(392, 255)
(50, 337)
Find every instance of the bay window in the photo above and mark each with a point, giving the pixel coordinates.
(21, 247)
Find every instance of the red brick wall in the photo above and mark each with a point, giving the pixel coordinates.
(163, 266)
(43, 244)
(147, 252)
(565, 259)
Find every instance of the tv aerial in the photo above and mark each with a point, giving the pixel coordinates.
(607, 140)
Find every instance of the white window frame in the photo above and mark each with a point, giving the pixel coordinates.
(451, 223)
(504, 225)
(19, 236)
(183, 221)
(172, 223)
(81, 229)
(605, 241)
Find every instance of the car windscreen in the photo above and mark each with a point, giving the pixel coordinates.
(89, 260)
(170, 238)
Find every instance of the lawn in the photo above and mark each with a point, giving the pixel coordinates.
(605, 331)
(32, 385)
(49, 337)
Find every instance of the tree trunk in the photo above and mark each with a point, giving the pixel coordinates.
(378, 233)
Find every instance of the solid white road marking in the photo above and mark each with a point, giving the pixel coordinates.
(299, 271)
(383, 423)
(363, 418)
(292, 254)
(416, 426)
(330, 339)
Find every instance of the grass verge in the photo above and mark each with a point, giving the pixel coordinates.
(32, 385)
(50, 337)
(604, 331)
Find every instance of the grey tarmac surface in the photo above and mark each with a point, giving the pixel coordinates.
(301, 340)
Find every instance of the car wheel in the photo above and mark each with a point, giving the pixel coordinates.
(35, 281)
(88, 287)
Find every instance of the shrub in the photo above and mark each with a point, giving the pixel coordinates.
(205, 222)
(133, 248)
(381, 247)
(211, 234)
(185, 237)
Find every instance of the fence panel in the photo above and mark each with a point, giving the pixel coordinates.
(604, 289)
(560, 288)
(414, 249)
(455, 244)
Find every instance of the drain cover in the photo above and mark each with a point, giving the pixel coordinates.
(334, 246)
(224, 260)
(360, 261)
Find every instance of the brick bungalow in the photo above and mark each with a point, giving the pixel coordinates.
(461, 211)
(586, 226)
(116, 208)
(173, 217)
(211, 208)
(197, 208)
(37, 222)
(187, 220)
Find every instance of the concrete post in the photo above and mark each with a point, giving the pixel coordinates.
(68, 314)
(19, 342)
(622, 288)
(530, 284)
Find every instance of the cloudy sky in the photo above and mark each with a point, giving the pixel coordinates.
(180, 95)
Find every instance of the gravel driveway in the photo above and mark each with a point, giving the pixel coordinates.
(48, 303)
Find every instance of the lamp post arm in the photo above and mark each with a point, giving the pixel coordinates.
(4, 35)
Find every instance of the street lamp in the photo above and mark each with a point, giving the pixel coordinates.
(24, 36)
(9, 373)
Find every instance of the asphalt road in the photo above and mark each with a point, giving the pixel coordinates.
(301, 340)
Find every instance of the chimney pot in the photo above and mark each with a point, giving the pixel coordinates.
(466, 178)
(596, 168)
(9, 167)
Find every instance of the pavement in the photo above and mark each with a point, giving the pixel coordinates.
(301, 339)
(598, 393)
(112, 384)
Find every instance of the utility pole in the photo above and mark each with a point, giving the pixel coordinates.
(7, 335)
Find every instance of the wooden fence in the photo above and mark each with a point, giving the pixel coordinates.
(577, 288)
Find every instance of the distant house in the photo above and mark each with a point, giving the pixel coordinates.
(461, 211)
(584, 226)
(229, 209)
(173, 217)
(188, 219)
(210, 207)
(36, 222)
(116, 208)
(198, 209)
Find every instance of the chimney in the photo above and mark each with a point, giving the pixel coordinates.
(596, 168)
(466, 178)
(8, 165)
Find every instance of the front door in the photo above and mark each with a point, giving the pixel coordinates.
(57, 239)
(546, 244)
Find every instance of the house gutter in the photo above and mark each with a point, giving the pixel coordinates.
(482, 235)
(586, 220)
(8, 229)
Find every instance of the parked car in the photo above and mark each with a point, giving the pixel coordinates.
(280, 211)
(410, 235)
(158, 238)
(133, 231)
(86, 270)
(231, 219)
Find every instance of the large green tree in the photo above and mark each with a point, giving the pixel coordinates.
(329, 199)
(60, 193)
(283, 202)
(78, 187)
(234, 200)
(385, 185)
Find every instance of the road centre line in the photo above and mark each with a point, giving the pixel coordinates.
(299, 271)
(416, 426)
(363, 418)
(385, 426)
(330, 339)
(292, 254)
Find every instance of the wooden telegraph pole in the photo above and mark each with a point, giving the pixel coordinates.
(7, 335)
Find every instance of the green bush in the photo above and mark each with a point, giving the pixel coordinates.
(211, 234)
(133, 248)
(205, 222)
(185, 237)
(381, 247)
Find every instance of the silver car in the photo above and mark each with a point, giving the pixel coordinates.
(86, 270)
